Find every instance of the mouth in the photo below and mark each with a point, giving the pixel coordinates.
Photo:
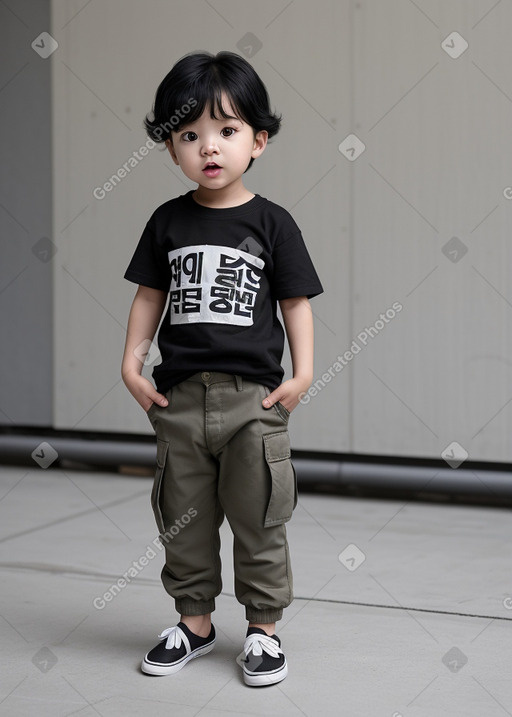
(212, 169)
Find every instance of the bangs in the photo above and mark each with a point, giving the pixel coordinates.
(224, 85)
(205, 94)
(217, 104)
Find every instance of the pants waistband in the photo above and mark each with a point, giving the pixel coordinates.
(207, 378)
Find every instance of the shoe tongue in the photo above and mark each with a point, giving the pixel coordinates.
(195, 640)
(259, 631)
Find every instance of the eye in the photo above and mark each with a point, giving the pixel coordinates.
(228, 131)
(189, 136)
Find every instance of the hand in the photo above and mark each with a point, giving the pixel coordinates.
(287, 393)
(143, 391)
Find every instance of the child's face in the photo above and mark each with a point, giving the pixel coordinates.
(215, 152)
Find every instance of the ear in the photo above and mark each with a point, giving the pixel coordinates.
(260, 142)
(170, 147)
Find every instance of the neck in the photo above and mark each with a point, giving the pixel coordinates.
(222, 198)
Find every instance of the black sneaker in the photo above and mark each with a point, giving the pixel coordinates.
(262, 661)
(178, 645)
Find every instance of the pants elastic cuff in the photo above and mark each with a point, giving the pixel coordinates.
(264, 617)
(190, 607)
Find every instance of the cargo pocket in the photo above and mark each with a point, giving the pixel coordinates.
(162, 448)
(283, 496)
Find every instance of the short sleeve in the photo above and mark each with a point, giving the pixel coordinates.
(149, 265)
(294, 273)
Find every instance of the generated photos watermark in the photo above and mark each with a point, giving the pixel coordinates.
(358, 344)
(45, 45)
(137, 566)
(138, 155)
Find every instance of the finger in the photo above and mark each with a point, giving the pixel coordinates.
(160, 399)
(272, 398)
(154, 397)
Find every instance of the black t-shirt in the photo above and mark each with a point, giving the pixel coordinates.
(224, 270)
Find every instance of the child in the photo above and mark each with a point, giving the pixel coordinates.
(223, 257)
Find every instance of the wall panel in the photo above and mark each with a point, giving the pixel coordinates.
(418, 219)
(110, 60)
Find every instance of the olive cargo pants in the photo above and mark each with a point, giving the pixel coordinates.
(221, 453)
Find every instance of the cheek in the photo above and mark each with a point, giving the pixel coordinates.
(183, 155)
(172, 152)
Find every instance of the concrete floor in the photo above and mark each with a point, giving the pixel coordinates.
(402, 609)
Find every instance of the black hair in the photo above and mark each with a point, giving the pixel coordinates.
(199, 80)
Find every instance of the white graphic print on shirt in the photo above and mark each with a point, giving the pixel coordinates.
(213, 284)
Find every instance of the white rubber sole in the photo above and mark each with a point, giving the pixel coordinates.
(253, 679)
(153, 668)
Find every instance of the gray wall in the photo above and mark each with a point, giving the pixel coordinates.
(418, 219)
(26, 345)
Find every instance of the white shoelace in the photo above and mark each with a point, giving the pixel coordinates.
(175, 637)
(257, 644)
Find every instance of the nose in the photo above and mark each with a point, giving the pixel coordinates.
(209, 147)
